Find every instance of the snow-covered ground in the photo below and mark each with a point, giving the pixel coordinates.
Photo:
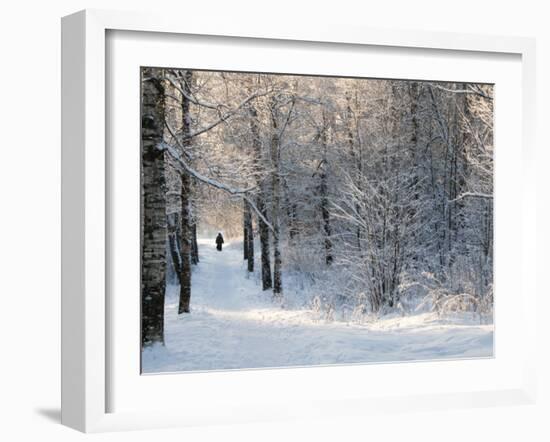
(234, 324)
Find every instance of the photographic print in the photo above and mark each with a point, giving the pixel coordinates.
(293, 220)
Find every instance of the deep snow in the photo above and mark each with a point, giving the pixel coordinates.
(234, 324)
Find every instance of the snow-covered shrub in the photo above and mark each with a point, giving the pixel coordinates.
(444, 299)
(323, 308)
(305, 261)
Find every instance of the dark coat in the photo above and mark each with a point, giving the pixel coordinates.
(219, 241)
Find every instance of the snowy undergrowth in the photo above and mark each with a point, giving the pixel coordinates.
(234, 324)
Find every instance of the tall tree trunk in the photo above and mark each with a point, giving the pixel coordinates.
(445, 214)
(194, 221)
(194, 245)
(325, 214)
(245, 232)
(462, 142)
(292, 221)
(267, 282)
(186, 216)
(414, 97)
(186, 240)
(291, 208)
(276, 201)
(249, 237)
(357, 166)
(174, 244)
(154, 223)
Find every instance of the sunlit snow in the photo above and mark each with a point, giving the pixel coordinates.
(234, 325)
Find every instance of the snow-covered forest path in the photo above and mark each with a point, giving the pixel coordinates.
(234, 324)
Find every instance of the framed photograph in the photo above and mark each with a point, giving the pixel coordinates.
(261, 224)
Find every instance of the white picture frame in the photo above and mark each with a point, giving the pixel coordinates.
(86, 357)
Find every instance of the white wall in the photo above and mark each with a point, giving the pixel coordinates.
(30, 220)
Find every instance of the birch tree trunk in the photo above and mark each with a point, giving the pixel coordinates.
(175, 246)
(357, 166)
(154, 223)
(194, 245)
(186, 218)
(245, 232)
(185, 279)
(325, 214)
(249, 237)
(276, 202)
(267, 282)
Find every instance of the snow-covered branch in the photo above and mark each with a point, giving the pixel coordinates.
(471, 195)
(243, 193)
(223, 117)
(471, 90)
(191, 98)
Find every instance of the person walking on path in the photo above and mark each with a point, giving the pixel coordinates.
(219, 242)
